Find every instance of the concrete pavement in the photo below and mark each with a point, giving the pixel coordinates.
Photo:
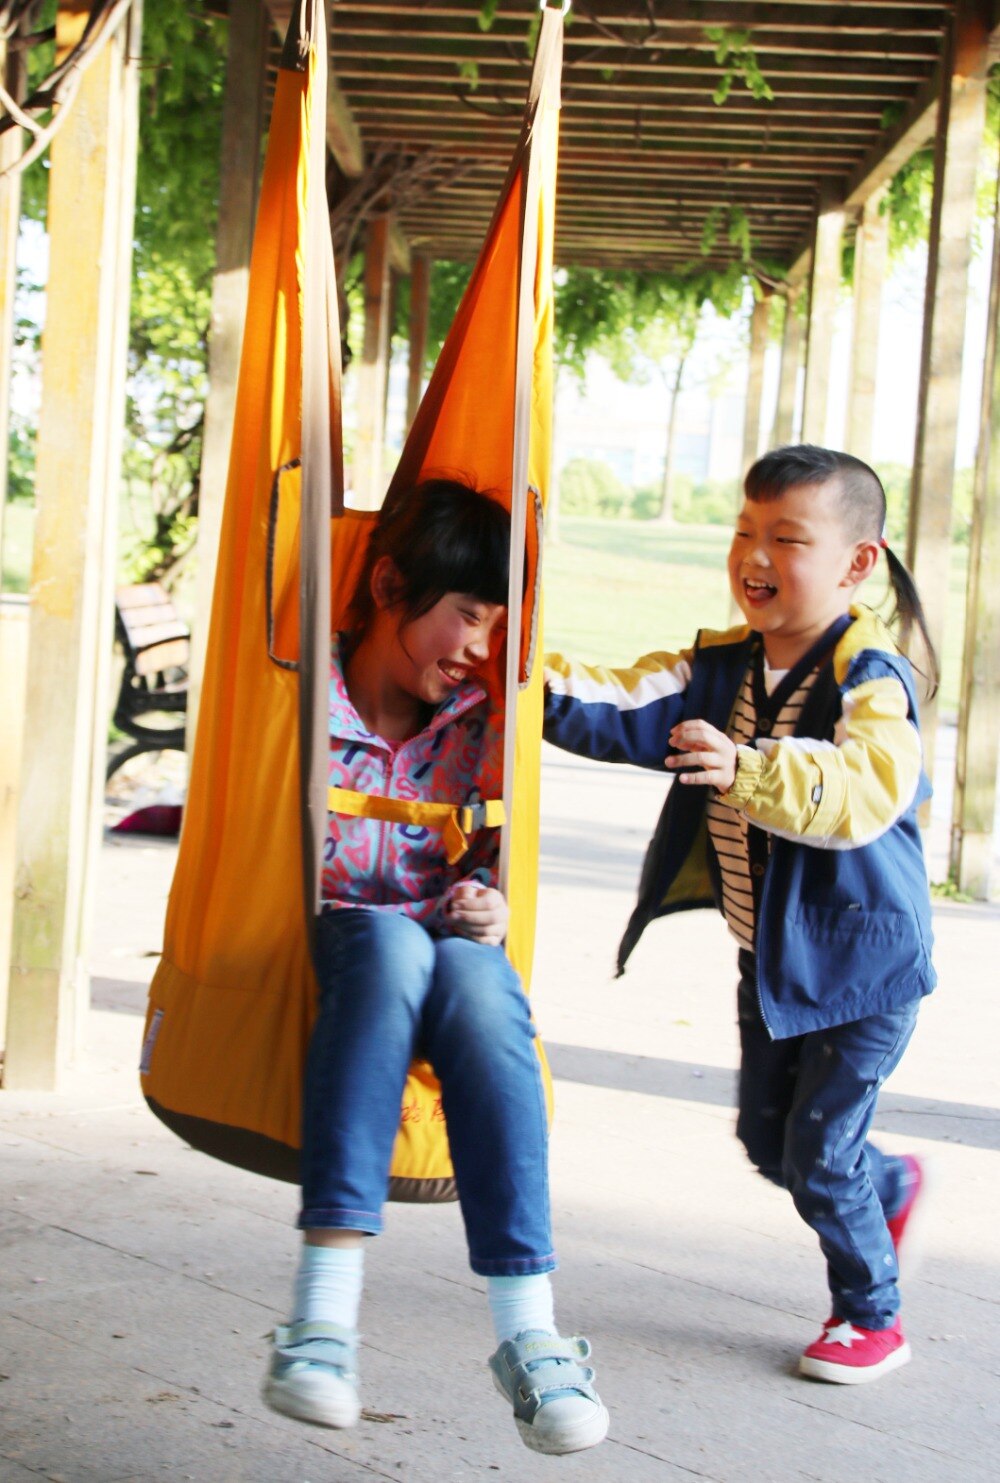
(140, 1279)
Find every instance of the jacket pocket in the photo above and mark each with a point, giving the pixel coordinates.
(849, 923)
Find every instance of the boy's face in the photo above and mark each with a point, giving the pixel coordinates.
(793, 568)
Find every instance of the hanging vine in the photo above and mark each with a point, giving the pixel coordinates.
(734, 51)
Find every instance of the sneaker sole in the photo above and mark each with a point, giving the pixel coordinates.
(821, 1369)
(336, 1414)
(586, 1433)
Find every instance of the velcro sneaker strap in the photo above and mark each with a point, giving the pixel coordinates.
(454, 820)
(317, 1343)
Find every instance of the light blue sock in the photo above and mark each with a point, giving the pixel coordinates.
(520, 1303)
(328, 1285)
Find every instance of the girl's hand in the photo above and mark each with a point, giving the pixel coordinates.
(478, 912)
(701, 746)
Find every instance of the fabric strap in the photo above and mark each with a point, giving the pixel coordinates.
(455, 820)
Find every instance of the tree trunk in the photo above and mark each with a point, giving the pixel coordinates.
(665, 514)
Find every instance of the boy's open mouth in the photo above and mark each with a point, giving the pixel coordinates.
(758, 593)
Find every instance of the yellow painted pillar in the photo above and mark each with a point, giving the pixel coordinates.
(755, 379)
(788, 376)
(824, 290)
(373, 369)
(871, 255)
(420, 285)
(974, 800)
(91, 210)
(961, 122)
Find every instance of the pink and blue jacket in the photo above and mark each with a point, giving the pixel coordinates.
(457, 758)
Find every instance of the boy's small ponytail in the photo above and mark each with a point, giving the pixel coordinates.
(910, 611)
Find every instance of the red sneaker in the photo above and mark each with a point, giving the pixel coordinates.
(903, 1224)
(849, 1355)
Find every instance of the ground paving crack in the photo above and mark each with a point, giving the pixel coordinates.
(905, 1438)
(658, 1457)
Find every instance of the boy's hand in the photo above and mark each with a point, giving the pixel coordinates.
(478, 912)
(701, 746)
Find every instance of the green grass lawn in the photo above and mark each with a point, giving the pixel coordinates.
(18, 529)
(615, 589)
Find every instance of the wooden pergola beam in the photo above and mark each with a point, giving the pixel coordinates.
(974, 800)
(961, 121)
(871, 256)
(824, 285)
(759, 320)
(373, 368)
(420, 287)
(792, 336)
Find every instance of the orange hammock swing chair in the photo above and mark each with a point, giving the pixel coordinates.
(232, 1002)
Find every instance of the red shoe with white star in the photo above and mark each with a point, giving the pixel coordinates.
(848, 1355)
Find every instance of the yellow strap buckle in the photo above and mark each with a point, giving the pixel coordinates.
(455, 820)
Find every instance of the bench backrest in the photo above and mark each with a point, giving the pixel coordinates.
(150, 631)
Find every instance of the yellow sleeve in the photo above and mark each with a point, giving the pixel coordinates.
(836, 794)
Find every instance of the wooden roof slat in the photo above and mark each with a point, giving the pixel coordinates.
(645, 153)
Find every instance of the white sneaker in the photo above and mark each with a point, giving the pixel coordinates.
(556, 1408)
(312, 1376)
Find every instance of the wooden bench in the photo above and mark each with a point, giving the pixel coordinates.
(156, 645)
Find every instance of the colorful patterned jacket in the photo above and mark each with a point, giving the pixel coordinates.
(457, 758)
(843, 912)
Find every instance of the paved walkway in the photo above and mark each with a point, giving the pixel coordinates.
(140, 1279)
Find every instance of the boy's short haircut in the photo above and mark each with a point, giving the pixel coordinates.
(861, 496)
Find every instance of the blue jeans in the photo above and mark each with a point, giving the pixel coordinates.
(389, 992)
(805, 1107)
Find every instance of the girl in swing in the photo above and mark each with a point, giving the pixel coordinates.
(410, 963)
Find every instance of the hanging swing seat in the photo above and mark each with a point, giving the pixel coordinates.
(232, 1003)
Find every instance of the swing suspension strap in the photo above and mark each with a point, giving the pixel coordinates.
(455, 820)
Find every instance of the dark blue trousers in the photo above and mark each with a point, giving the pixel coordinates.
(805, 1107)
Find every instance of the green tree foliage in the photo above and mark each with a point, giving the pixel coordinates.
(180, 123)
(183, 77)
(632, 318)
(588, 486)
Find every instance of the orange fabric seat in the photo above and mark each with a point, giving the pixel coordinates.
(231, 1005)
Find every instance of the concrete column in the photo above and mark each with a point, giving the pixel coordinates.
(91, 211)
(420, 286)
(759, 320)
(824, 288)
(974, 800)
(373, 369)
(961, 120)
(788, 380)
(242, 123)
(871, 254)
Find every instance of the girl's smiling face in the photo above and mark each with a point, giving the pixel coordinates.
(431, 656)
(794, 568)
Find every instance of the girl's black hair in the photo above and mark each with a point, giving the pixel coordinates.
(442, 536)
(862, 505)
